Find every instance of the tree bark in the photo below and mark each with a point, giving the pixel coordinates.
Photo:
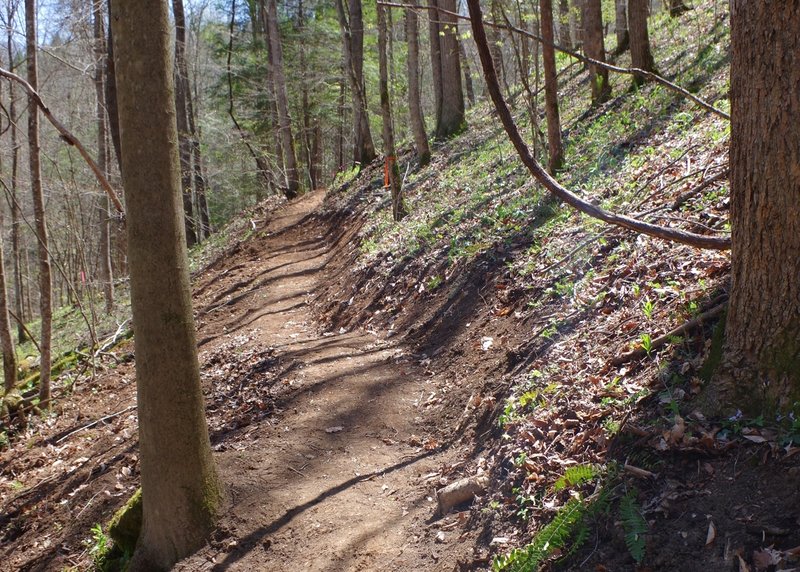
(392, 171)
(104, 250)
(594, 48)
(621, 26)
(555, 147)
(45, 279)
(761, 367)
(446, 69)
(641, 56)
(414, 101)
(181, 491)
(281, 99)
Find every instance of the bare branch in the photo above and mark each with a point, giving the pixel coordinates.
(68, 137)
(549, 183)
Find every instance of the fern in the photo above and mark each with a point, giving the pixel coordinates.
(634, 525)
(552, 537)
(575, 476)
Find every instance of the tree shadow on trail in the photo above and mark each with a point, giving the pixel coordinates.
(250, 541)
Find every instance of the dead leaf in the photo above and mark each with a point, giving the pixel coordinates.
(765, 558)
(712, 533)
(675, 435)
(743, 567)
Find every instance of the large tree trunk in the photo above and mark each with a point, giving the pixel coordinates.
(180, 488)
(621, 26)
(353, 42)
(414, 101)
(447, 68)
(392, 171)
(555, 147)
(45, 280)
(184, 141)
(761, 369)
(641, 57)
(594, 48)
(281, 99)
(104, 250)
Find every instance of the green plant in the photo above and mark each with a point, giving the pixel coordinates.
(634, 525)
(575, 476)
(433, 282)
(99, 546)
(646, 342)
(647, 307)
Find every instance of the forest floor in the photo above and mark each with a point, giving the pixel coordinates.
(332, 442)
(321, 437)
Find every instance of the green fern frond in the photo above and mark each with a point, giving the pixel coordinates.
(577, 475)
(552, 537)
(634, 525)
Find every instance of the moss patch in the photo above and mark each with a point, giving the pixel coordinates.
(125, 525)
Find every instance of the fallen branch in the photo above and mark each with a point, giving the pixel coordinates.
(93, 423)
(627, 71)
(699, 188)
(640, 352)
(68, 137)
(549, 183)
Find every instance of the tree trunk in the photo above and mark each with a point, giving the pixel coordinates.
(555, 147)
(180, 488)
(447, 68)
(573, 16)
(184, 142)
(353, 41)
(284, 120)
(19, 294)
(45, 279)
(761, 367)
(641, 57)
(468, 82)
(6, 341)
(111, 94)
(414, 101)
(104, 252)
(392, 171)
(594, 48)
(677, 7)
(621, 26)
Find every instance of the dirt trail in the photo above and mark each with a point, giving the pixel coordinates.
(337, 477)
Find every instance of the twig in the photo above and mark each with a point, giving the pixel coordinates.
(627, 71)
(699, 188)
(660, 341)
(637, 472)
(68, 137)
(93, 423)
